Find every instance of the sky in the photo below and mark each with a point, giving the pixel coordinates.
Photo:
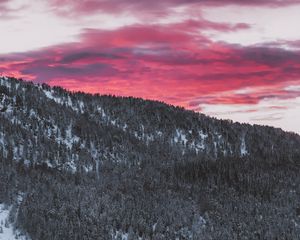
(231, 59)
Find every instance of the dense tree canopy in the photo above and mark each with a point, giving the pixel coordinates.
(103, 167)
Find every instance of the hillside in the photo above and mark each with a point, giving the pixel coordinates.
(106, 167)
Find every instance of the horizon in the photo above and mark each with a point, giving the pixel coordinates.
(243, 66)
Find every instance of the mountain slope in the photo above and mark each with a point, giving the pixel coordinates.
(106, 127)
(114, 167)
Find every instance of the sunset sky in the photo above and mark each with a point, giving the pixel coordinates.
(232, 59)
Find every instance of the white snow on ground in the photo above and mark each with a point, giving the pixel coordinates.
(67, 101)
(119, 235)
(180, 137)
(4, 82)
(2, 139)
(202, 135)
(81, 106)
(7, 231)
(243, 147)
(70, 166)
(70, 139)
(201, 145)
(102, 112)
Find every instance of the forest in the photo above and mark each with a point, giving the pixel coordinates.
(81, 166)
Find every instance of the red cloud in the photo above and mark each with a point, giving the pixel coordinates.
(172, 63)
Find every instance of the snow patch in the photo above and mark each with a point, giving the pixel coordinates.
(7, 230)
(4, 81)
(243, 149)
(119, 235)
(180, 137)
(67, 101)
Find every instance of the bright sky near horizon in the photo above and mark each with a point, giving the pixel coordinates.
(233, 59)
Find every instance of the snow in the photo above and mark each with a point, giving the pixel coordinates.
(183, 138)
(198, 143)
(7, 231)
(215, 149)
(6, 107)
(32, 113)
(154, 227)
(70, 101)
(88, 168)
(61, 101)
(159, 133)
(1, 139)
(202, 135)
(49, 94)
(4, 81)
(70, 166)
(102, 112)
(81, 106)
(119, 235)
(202, 138)
(70, 139)
(180, 137)
(244, 151)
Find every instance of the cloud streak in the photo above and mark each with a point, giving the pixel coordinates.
(144, 7)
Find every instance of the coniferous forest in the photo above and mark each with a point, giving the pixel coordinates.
(81, 166)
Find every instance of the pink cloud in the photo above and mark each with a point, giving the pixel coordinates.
(171, 63)
(4, 10)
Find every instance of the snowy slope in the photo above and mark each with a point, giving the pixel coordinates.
(7, 231)
(81, 130)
